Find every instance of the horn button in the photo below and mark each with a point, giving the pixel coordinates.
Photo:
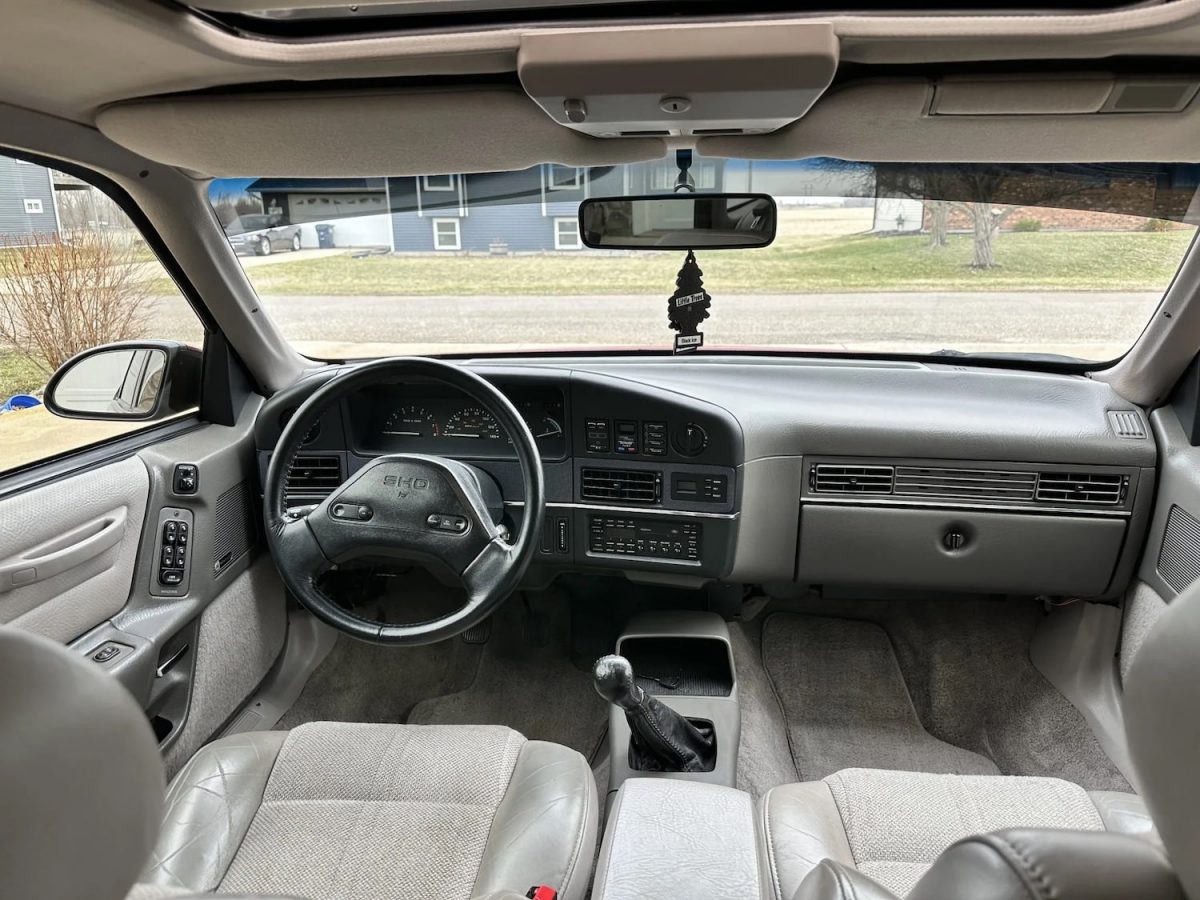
(407, 503)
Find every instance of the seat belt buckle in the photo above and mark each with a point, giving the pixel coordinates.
(541, 892)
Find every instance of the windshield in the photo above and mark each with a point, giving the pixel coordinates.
(1068, 261)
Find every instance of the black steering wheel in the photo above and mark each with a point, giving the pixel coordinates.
(405, 506)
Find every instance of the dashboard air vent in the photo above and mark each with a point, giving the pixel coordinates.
(1127, 424)
(628, 485)
(968, 484)
(1081, 488)
(836, 478)
(312, 478)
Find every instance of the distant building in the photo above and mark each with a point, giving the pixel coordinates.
(26, 201)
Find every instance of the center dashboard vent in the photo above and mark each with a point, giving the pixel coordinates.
(312, 477)
(1090, 488)
(629, 485)
(969, 484)
(836, 478)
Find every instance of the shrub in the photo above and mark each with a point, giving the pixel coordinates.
(1028, 225)
(60, 296)
(1156, 225)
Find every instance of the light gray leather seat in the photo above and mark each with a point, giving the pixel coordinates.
(326, 810)
(875, 835)
(335, 810)
(891, 826)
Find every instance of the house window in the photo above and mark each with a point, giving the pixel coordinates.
(566, 234)
(446, 235)
(564, 178)
(33, 207)
(437, 182)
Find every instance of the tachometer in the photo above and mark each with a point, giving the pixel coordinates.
(410, 421)
(472, 422)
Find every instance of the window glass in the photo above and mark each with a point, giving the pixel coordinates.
(1064, 262)
(74, 273)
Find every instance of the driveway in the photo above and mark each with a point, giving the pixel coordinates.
(1086, 324)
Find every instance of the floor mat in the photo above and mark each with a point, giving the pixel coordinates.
(533, 688)
(846, 703)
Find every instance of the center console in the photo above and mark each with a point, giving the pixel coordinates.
(684, 661)
(674, 830)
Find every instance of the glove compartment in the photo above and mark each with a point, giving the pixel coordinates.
(973, 551)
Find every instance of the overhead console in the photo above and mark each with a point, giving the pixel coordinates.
(679, 80)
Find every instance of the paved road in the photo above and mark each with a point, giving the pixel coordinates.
(1086, 324)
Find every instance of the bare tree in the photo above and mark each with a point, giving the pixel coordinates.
(59, 297)
(986, 195)
(939, 219)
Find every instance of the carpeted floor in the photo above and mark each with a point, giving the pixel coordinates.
(846, 703)
(533, 689)
(523, 677)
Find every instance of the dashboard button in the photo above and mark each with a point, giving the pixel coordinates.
(690, 439)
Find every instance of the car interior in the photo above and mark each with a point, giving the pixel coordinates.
(347, 582)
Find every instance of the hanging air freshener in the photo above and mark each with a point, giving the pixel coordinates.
(688, 306)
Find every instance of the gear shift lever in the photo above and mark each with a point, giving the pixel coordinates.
(661, 740)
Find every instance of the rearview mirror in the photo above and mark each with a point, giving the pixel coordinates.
(678, 221)
(131, 380)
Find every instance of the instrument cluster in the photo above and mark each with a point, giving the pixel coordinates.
(435, 421)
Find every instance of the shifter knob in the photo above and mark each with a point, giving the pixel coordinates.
(613, 678)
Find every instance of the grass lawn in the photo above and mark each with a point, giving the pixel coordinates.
(19, 375)
(801, 261)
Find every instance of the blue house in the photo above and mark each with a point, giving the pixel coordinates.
(26, 201)
(528, 211)
(533, 210)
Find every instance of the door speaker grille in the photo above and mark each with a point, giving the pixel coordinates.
(235, 526)
(1179, 555)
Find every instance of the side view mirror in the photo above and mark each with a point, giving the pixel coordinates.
(127, 381)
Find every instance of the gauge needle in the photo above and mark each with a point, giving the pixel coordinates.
(456, 434)
(404, 433)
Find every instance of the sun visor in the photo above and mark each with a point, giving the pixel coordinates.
(679, 80)
(357, 134)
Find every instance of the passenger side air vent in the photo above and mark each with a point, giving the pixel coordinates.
(628, 485)
(835, 478)
(968, 484)
(1081, 488)
(312, 478)
(1126, 424)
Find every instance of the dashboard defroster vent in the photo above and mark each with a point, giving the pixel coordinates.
(1081, 488)
(627, 485)
(970, 484)
(836, 478)
(312, 477)
(1127, 424)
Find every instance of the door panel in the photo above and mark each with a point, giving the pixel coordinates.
(68, 549)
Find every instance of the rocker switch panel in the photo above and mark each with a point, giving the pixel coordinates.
(173, 541)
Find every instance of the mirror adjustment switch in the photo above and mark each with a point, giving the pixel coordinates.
(186, 479)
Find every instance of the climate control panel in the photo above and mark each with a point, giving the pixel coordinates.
(645, 537)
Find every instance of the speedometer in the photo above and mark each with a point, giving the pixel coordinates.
(410, 421)
(472, 422)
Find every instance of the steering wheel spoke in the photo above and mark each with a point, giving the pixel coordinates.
(486, 570)
(297, 548)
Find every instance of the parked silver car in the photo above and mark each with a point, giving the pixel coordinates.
(262, 234)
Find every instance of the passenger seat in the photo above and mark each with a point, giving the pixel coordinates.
(877, 835)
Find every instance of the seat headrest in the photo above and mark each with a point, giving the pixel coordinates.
(80, 775)
(1162, 725)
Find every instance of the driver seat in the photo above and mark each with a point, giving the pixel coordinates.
(343, 810)
(327, 810)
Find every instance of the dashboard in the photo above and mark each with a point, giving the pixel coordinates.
(897, 476)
